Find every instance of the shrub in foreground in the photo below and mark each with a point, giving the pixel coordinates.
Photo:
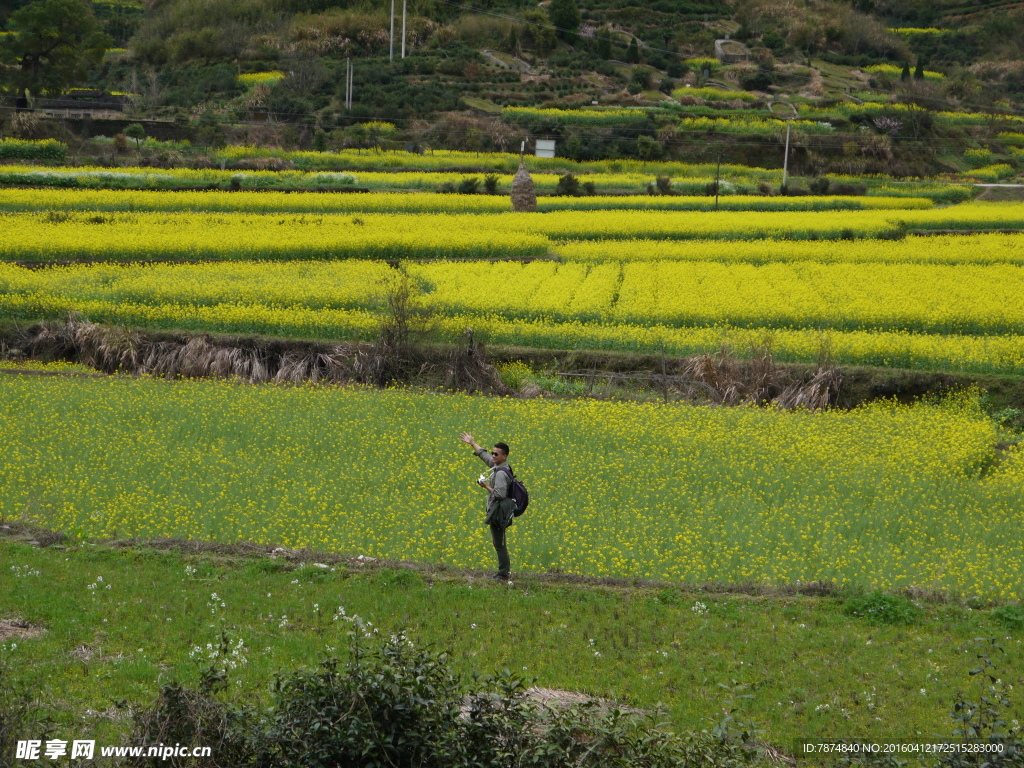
(393, 704)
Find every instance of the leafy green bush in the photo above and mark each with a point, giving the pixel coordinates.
(393, 704)
(1010, 616)
(819, 186)
(881, 608)
(512, 374)
(568, 185)
(986, 716)
(469, 186)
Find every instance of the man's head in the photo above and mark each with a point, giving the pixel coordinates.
(499, 452)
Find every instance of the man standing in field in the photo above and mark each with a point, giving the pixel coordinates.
(499, 502)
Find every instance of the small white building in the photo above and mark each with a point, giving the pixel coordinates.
(545, 148)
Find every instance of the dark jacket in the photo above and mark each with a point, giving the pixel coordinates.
(500, 504)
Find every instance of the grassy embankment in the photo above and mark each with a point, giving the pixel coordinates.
(117, 622)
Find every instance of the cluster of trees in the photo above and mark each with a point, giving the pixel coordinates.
(51, 45)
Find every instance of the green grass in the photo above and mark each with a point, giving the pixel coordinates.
(118, 622)
(482, 104)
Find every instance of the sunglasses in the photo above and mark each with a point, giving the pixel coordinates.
(494, 453)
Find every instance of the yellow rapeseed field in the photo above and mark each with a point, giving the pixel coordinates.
(887, 496)
(932, 249)
(971, 299)
(58, 235)
(951, 299)
(268, 201)
(146, 236)
(962, 318)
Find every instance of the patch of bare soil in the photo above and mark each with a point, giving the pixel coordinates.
(86, 653)
(16, 629)
(555, 697)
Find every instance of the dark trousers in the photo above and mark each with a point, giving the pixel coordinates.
(498, 539)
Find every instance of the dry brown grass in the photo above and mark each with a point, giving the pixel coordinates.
(401, 353)
(17, 629)
(759, 380)
(467, 369)
(524, 196)
(118, 350)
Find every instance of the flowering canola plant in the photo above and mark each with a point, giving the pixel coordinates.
(934, 249)
(264, 78)
(119, 200)
(202, 235)
(922, 298)
(874, 314)
(147, 236)
(884, 496)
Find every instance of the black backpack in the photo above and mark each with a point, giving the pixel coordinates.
(517, 490)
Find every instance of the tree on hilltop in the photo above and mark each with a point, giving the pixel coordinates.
(604, 43)
(565, 15)
(633, 52)
(50, 46)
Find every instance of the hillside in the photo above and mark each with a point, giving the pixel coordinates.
(904, 88)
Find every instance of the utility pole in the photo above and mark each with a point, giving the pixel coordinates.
(349, 82)
(718, 177)
(404, 3)
(392, 30)
(785, 160)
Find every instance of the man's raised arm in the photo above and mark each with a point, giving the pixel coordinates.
(477, 449)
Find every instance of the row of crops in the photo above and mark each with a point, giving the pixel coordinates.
(885, 495)
(917, 298)
(412, 202)
(684, 179)
(959, 316)
(60, 235)
(904, 495)
(450, 171)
